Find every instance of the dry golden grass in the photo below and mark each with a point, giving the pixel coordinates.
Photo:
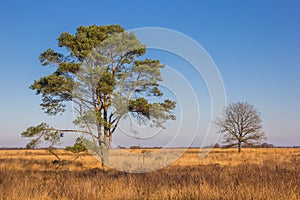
(223, 174)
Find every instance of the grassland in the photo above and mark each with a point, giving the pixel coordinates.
(223, 174)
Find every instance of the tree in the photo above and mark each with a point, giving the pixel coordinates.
(217, 145)
(103, 77)
(241, 125)
(267, 145)
(78, 147)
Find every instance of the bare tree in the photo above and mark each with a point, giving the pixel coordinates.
(241, 125)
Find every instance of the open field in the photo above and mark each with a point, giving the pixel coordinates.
(223, 174)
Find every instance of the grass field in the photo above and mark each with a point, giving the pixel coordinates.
(223, 174)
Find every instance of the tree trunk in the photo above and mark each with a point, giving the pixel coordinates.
(50, 149)
(104, 151)
(239, 147)
(104, 157)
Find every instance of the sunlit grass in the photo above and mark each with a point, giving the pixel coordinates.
(223, 174)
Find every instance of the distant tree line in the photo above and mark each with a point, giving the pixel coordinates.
(263, 145)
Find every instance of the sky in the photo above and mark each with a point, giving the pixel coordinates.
(254, 44)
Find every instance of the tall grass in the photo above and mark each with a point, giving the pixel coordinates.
(273, 174)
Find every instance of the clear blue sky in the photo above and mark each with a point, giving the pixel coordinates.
(255, 44)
